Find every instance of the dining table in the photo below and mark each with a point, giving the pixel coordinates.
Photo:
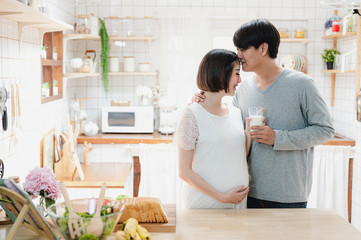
(247, 224)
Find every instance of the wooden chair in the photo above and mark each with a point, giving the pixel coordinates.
(21, 210)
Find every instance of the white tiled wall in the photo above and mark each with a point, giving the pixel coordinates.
(37, 119)
(20, 146)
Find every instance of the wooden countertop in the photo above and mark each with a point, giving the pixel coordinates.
(156, 137)
(124, 138)
(249, 224)
(115, 175)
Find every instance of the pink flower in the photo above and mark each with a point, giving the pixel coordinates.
(41, 181)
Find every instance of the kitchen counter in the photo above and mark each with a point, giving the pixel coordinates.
(249, 224)
(156, 137)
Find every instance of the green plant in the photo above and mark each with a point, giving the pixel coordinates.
(104, 55)
(45, 85)
(54, 49)
(55, 83)
(329, 54)
(44, 47)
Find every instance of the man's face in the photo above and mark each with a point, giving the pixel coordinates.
(249, 58)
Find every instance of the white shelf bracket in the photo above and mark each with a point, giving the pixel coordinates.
(20, 31)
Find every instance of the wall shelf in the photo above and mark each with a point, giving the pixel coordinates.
(80, 75)
(112, 38)
(296, 40)
(357, 71)
(338, 71)
(340, 35)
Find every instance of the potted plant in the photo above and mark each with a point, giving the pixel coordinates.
(55, 54)
(45, 87)
(329, 56)
(43, 52)
(55, 87)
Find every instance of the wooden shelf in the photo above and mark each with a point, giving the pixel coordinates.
(51, 98)
(112, 38)
(337, 71)
(28, 16)
(296, 40)
(51, 62)
(339, 35)
(80, 75)
(115, 175)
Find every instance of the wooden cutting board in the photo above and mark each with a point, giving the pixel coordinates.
(170, 210)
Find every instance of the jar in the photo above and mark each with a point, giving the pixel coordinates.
(87, 65)
(336, 26)
(129, 26)
(93, 24)
(113, 64)
(113, 25)
(144, 67)
(148, 26)
(300, 33)
(128, 65)
(82, 24)
(283, 32)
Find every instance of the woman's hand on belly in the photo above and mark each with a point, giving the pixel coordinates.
(235, 195)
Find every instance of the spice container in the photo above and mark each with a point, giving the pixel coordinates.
(300, 33)
(129, 26)
(283, 32)
(128, 64)
(113, 25)
(82, 23)
(113, 64)
(148, 26)
(93, 24)
(144, 67)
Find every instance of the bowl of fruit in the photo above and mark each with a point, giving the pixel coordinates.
(85, 225)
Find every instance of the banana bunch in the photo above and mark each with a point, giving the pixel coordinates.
(131, 230)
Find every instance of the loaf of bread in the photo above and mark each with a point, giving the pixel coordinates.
(144, 209)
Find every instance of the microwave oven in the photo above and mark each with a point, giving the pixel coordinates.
(139, 119)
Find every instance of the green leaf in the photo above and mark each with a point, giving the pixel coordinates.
(104, 55)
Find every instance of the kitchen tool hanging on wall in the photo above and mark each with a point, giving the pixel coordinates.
(3, 112)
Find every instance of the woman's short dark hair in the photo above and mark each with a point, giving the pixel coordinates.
(215, 70)
(256, 32)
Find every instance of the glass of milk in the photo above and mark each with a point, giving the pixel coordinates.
(256, 115)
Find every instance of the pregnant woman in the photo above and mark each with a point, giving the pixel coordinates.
(212, 144)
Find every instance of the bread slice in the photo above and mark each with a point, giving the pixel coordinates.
(144, 209)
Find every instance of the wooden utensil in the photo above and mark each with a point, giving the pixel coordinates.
(74, 219)
(96, 223)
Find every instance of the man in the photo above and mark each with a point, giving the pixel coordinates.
(297, 119)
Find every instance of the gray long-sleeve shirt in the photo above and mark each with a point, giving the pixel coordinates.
(300, 118)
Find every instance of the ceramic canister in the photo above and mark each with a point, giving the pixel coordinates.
(144, 67)
(128, 65)
(113, 64)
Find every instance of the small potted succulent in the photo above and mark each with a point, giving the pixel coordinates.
(329, 57)
(43, 52)
(45, 90)
(55, 87)
(55, 54)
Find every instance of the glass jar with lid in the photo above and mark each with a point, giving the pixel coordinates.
(113, 24)
(82, 24)
(283, 32)
(148, 26)
(300, 32)
(129, 26)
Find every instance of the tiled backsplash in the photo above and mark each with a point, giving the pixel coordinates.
(21, 153)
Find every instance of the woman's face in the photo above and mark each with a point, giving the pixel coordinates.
(235, 79)
(249, 58)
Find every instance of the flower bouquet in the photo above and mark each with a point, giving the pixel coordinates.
(40, 182)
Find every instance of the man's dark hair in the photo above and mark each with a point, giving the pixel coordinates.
(256, 32)
(215, 70)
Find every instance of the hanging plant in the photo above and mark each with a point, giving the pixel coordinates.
(104, 55)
